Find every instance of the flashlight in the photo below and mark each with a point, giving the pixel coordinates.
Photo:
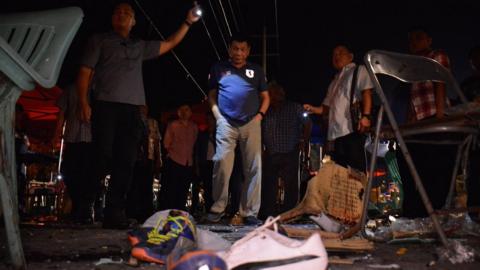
(197, 11)
(305, 114)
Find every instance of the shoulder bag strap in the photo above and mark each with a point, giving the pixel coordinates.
(352, 93)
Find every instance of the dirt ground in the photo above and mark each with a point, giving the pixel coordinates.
(61, 246)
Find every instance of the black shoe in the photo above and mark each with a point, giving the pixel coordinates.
(252, 220)
(213, 217)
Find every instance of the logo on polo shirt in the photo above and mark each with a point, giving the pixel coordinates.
(249, 73)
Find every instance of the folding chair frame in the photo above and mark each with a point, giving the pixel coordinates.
(409, 68)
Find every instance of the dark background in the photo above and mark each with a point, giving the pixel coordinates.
(308, 31)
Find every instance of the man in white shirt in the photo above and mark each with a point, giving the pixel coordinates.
(348, 140)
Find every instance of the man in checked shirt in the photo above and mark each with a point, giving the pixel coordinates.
(427, 98)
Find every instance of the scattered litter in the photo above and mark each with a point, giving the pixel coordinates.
(361, 258)
(463, 224)
(431, 263)
(384, 266)
(404, 228)
(458, 224)
(456, 253)
(326, 223)
(371, 224)
(132, 261)
(211, 241)
(401, 251)
(108, 261)
(382, 233)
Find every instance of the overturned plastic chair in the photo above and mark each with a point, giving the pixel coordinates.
(32, 48)
(457, 130)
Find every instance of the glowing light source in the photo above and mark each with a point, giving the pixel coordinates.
(198, 11)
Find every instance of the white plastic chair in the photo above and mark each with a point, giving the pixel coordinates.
(460, 129)
(32, 48)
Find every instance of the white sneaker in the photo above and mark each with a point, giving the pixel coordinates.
(264, 248)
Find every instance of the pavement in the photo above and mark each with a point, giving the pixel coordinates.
(65, 246)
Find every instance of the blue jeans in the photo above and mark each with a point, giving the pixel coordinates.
(249, 138)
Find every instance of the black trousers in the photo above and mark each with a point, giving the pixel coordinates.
(140, 195)
(434, 164)
(175, 184)
(77, 171)
(349, 151)
(205, 177)
(117, 129)
(285, 166)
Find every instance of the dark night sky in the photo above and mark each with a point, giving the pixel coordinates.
(308, 32)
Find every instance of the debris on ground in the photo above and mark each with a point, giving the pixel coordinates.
(456, 252)
(115, 260)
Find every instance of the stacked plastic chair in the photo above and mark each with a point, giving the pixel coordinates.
(32, 48)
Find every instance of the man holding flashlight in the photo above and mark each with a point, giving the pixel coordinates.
(114, 61)
(348, 139)
(285, 131)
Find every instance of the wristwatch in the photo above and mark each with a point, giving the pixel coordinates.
(368, 116)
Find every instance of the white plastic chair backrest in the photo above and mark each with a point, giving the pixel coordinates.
(410, 69)
(34, 44)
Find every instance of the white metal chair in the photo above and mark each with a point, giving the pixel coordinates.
(460, 130)
(32, 48)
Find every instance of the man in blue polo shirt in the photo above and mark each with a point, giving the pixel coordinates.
(114, 61)
(239, 100)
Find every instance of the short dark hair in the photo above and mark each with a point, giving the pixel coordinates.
(240, 37)
(123, 2)
(349, 49)
(184, 104)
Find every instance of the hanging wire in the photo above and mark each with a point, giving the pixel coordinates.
(225, 17)
(234, 18)
(218, 25)
(210, 38)
(189, 75)
(241, 18)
